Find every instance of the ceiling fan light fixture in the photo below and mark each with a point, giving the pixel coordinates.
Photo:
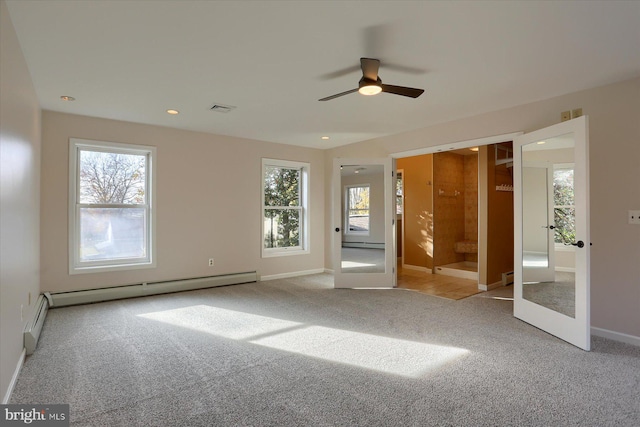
(371, 89)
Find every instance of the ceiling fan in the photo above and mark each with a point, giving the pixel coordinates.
(370, 83)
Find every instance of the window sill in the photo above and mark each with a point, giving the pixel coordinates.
(283, 252)
(110, 268)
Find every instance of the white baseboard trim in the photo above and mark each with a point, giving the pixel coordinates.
(417, 268)
(494, 285)
(328, 271)
(292, 274)
(616, 336)
(565, 269)
(14, 378)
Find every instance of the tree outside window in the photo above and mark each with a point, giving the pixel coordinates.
(358, 209)
(284, 187)
(564, 211)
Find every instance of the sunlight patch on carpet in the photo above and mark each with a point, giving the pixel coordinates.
(383, 354)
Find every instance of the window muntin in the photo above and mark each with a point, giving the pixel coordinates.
(564, 211)
(357, 215)
(111, 212)
(284, 207)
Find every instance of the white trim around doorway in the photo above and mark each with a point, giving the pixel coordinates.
(495, 139)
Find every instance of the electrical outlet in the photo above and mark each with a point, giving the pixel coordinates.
(210, 262)
(634, 217)
(576, 113)
(565, 115)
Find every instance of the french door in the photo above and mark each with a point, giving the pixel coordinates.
(559, 304)
(363, 228)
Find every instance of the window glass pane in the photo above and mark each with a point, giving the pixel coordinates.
(359, 197)
(358, 221)
(564, 220)
(107, 178)
(112, 233)
(281, 186)
(399, 193)
(563, 212)
(563, 187)
(282, 228)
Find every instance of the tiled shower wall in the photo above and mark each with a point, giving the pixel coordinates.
(455, 205)
(448, 207)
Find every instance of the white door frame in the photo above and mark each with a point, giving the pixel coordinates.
(469, 143)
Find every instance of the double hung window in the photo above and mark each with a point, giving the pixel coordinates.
(110, 213)
(357, 209)
(285, 214)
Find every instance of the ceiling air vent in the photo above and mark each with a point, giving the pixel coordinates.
(221, 108)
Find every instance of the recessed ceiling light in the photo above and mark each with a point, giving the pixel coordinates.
(174, 112)
(67, 98)
(324, 137)
(474, 149)
(541, 142)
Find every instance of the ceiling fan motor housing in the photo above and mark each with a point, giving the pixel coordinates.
(368, 82)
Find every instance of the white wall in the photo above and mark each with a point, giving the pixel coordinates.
(614, 135)
(534, 210)
(208, 202)
(20, 199)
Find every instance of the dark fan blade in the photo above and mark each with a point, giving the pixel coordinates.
(340, 73)
(328, 98)
(404, 91)
(370, 68)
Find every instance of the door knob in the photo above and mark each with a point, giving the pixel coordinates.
(579, 244)
(337, 229)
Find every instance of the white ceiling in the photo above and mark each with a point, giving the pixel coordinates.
(273, 60)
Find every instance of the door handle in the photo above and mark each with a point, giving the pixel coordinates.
(550, 227)
(579, 244)
(337, 229)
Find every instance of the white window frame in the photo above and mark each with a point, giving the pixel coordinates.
(305, 172)
(559, 246)
(75, 265)
(347, 231)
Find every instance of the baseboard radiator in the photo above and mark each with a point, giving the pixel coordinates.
(62, 299)
(363, 245)
(34, 325)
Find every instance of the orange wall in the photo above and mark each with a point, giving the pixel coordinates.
(448, 207)
(418, 210)
(500, 221)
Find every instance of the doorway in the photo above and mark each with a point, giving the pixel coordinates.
(456, 238)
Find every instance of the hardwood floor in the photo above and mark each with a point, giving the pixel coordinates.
(436, 284)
